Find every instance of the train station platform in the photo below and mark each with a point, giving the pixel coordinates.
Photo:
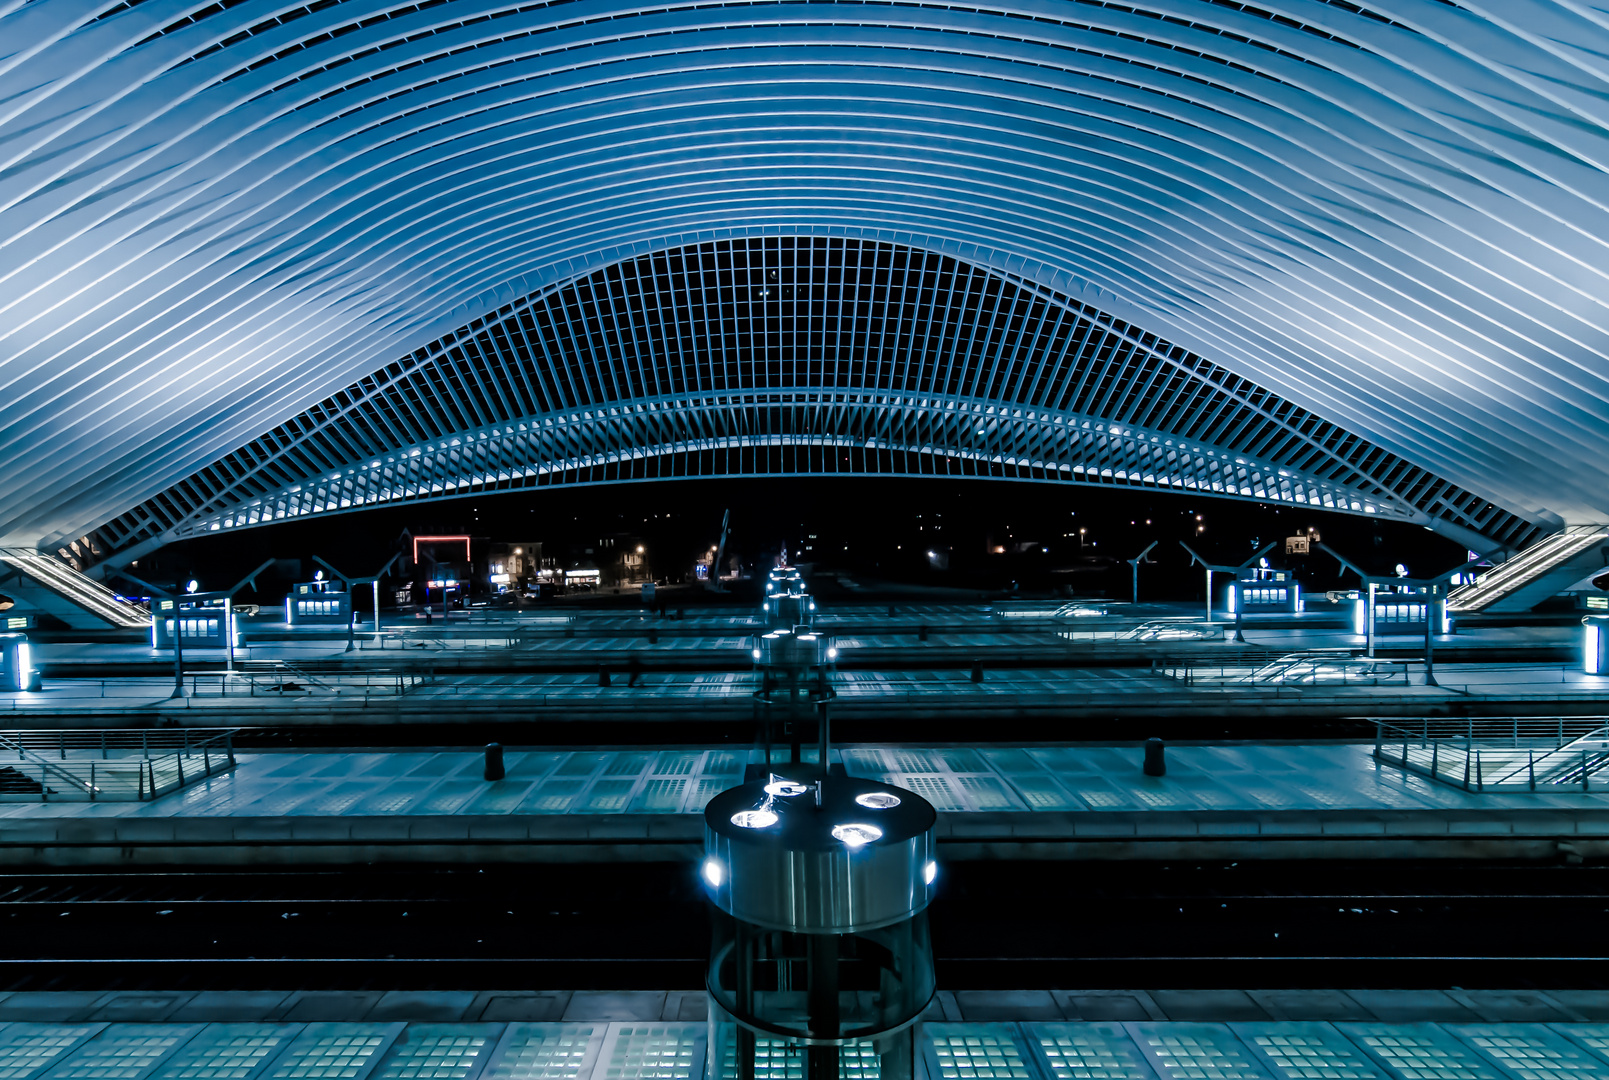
(1230, 687)
(1092, 802)
(296, 1040)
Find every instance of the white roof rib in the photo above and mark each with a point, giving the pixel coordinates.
(214, 217)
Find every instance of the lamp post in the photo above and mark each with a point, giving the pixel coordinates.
(178, 641)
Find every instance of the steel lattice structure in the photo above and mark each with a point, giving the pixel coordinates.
(1382, 222)
(784, 355)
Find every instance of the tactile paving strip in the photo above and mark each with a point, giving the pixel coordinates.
(228, 1052)
(976, 1052)
(1089, 1051)
(1420, 1052)
(545, 1052)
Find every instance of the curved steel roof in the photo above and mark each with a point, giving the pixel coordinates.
(215, 216)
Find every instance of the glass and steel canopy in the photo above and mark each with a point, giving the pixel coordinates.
(222, 225)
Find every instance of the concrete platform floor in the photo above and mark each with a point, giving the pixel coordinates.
(533, 693)
(1079, 779)
(1024, 1038)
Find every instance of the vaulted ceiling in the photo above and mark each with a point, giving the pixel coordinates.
(234, 236)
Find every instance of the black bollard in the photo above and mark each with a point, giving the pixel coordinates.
(921, 633)
(977, 671)
(890, 611)
(653, 637)
(494, 761)
(603, 675)
(1154, 763)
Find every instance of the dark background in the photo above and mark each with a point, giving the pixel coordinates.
(878, 528)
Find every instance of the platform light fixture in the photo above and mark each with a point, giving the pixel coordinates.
(856, 834)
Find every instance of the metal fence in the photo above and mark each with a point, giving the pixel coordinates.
(280, 680)
(119, 765)
(1253, 668)
(1499, 754)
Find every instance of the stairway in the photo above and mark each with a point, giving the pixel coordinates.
(41, 583)
(1534, 574)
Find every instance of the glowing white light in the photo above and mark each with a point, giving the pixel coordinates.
(713, 873)
(754, 819)
(855, 834)
(318, 575)
(831, 653)
(929, 872)
(785, 788)
(756, 654)
(192, 585)
(24, 665)
(1593, 650)
(878, 800)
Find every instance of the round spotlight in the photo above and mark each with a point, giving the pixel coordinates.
(878, 800)
(754, 819)
(785, 788)
(856, 834)
(714, 874)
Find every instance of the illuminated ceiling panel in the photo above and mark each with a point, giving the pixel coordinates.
(216, 217)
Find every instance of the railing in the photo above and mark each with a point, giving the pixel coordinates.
(118, 765)
(1251, 668)
(1524, 568)
(278, 679)
(1499, 754)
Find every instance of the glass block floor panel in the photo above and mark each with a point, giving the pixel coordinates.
(1530, 1052)
(26, 1050)
(976, 1052)
(1089, 1051)
(653, 1052)
(1296, 1051)
(1594, 1037)
(1420, 1052)
(438, 1052)
(124, 1052)
(228, 1052)
(1196, 1052)
(335, 1052)
(545, 1052)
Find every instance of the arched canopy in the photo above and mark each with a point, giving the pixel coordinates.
(797, 355)
(216, 217)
